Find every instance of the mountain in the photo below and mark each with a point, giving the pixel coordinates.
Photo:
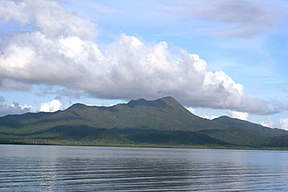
(245, 133)
(139, 122)
(248, 126)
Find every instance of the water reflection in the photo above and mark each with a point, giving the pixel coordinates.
(52, 168)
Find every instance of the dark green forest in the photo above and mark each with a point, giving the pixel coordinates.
(162, 122)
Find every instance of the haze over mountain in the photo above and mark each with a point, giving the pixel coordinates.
(160, 122)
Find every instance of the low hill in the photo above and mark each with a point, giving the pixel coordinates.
(245, 133)
(163, 122)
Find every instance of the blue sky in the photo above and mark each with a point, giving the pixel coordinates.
(222, 57)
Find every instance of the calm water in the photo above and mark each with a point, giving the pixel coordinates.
(58, 168)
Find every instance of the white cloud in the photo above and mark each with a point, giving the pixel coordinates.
(192, 110)
(46, 16)
(60, 52)
(51, 106)
(267, 123)
(14, 108)
(239, 115)
(210, 116)
(284, 123)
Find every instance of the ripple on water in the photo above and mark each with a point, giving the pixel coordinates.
(52, 168)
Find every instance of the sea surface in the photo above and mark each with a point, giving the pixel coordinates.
(70, 168)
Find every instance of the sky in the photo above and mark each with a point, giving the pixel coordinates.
(221, 57)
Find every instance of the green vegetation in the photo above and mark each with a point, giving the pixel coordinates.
(163, 122)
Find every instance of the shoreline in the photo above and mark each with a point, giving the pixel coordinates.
(81, 144)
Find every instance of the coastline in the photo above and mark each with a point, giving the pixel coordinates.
(135, 145)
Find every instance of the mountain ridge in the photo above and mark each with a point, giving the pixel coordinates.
(162, 121)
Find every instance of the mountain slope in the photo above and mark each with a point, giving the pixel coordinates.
(162, 114)
(245, 133)
(248, 126)
(163, 121)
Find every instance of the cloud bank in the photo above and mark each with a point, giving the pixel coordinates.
(243, 18)
(58, 49)
(14, 108)
(236, 18)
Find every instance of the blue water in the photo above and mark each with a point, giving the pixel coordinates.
(66, 168)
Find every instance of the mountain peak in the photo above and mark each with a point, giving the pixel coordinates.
(77, 106)
(162, 102)
(170, 101)
(137, 101)
(162, 120)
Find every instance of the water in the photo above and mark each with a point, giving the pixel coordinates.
(63, 168)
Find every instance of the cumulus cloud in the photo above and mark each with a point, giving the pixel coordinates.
(239, 115)
(14, 108)
(65, 55)
(51, 106)
(46, 16)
